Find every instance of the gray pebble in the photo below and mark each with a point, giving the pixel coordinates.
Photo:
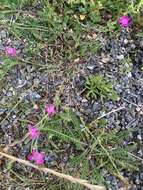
(141, 176)
(120, 57)
(90, 67)
(141, 43)
(34, 95)
(4, 125)
(21, 83)
(105, 60)
(36, 82)
(2, 110)
(3, 101)
(3, 34)
(125, 41)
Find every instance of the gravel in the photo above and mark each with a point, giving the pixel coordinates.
(31, 85)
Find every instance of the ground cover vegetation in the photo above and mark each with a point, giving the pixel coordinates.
(71, 92)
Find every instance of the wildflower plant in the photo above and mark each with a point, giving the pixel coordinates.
(10, 51)
(124, 21)
(33, 132)
(90, 144)
(50, 109)
(97, 87)
(38, 157)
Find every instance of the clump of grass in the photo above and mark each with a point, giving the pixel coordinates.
(97, 87)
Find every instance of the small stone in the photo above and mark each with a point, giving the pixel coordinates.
(141, 43)
(36, 82)
(1, 46)
(141, 176)
(140, 152)
(84, 100)
(2, 101)
(137, 181)
(9, 94)
(4, 125)
(21, 83)
(105, 60)
(29, 68)
(23, 96)
(129, 74)
(120, 57)
(14, 116)
(133, 187)
(90, 67)
(138, 109)
(2, 34)
(139, 137)
(11, 89)
(2, 111)
(133, 46)
(34, 95)
(4, 91)
(125, 41)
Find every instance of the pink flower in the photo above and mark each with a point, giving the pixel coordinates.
(124, 21)
(10, 51)
(50, 109)
(33, 132)
(36, 156)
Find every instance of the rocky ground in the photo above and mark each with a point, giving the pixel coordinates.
(118, 60)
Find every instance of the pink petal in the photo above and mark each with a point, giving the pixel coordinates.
(30, 157)
(36, 156)
(40, 158)
(10, 51)
(50, 109)
(39, 161)
(33, 132)
(124, 21)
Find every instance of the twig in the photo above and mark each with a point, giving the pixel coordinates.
(106, 114)
(130, 102)
(53, 172)
(135, 157)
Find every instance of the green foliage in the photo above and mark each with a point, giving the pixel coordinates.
(51, 19)
(65, 127)
(62, 26)
(105, 153)
(8, 63)
(91, 9)
(59, 25)
(97, 151)
(97, 87)
(135, 6)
